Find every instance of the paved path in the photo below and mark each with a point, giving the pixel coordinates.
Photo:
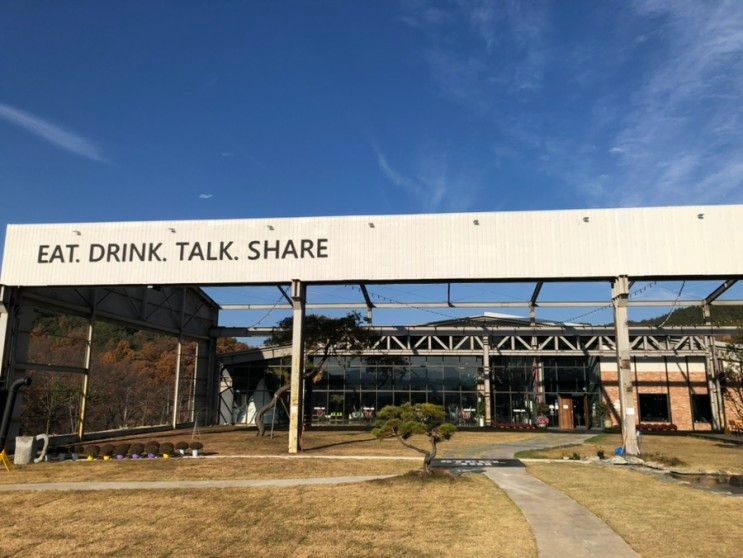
(540, 441)
(561, 526)
(184, 484)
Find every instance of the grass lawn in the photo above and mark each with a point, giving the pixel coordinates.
(240, 441)
(683, 452)
(656, 518)
(405, 516)
(198, 469)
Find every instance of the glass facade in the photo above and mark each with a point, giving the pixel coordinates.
(354, 389)
(521, 383)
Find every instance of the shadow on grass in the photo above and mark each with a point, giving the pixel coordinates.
(335, 444)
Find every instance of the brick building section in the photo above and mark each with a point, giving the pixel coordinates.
(678, 378)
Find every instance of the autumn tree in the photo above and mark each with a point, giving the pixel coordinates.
(324, 338)
(403, 422)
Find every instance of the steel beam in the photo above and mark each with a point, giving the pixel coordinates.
(286, 296)
(620, 294)
(494, 304)
(299, 295)
(719, 291)
(367, 300)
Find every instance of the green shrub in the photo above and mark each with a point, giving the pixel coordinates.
(93, 451)
(166, 447)
(107, 450)
(152, 448)
(198, 446)
(181, 446)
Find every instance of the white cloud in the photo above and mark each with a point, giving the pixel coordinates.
(205, 196)
(56, 135)
(433, 185)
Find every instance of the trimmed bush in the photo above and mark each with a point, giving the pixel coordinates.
(92, 451)
(198, 446)
(121, 450)
(181, 446)
(80, 450)
(152, 448)
(136, 450)
(166, 448)
(107, 450)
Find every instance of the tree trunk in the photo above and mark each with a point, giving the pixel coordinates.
(430, 456)
(270, 405)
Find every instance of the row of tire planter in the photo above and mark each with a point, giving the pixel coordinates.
(150, 450)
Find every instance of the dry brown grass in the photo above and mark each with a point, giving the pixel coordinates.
(201, 469)
(240, 441)
(656, 518)
(468, 516)
(695, 453)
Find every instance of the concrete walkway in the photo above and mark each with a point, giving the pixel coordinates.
(184, 484)
(561, 526)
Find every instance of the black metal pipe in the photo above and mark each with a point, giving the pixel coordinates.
(9, 404)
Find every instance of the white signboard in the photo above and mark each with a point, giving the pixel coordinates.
(701, 241)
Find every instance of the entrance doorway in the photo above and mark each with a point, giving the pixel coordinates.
(573, 411)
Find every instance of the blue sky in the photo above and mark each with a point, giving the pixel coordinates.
(169, 110)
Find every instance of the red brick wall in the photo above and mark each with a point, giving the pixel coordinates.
(676, 383)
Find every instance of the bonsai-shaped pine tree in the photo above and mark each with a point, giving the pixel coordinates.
(407, 420)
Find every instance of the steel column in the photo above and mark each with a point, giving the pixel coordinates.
(715, 395)
(620, 294)
(86, 379)
(177, 381)
(299, 291)
(486, 376)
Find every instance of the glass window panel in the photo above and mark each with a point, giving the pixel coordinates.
(386, 376)
(436, 397)
(335, 378)
(451, 378)
(336, 400)
(418, 377)
(417, 397)
(701, 408)
(402, 377)
(468, 378)
(353, 377)
(653, 407)
(384, 398)
(368, 377)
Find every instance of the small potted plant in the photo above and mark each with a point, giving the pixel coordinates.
(136, 450)
(120, 451)
(196, 447)
(166, 449)
(151, 449)
(182, 447)
(107, 450)
(91, 452)
(542, 410)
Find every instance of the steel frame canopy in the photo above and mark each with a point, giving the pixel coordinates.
(592, 244)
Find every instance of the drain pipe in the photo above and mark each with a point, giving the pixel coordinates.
(9, 404)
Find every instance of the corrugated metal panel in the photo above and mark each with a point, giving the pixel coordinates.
(644, 242)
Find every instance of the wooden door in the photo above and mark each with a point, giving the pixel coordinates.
(566, 412)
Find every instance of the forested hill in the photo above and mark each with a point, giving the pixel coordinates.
(692, 315)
